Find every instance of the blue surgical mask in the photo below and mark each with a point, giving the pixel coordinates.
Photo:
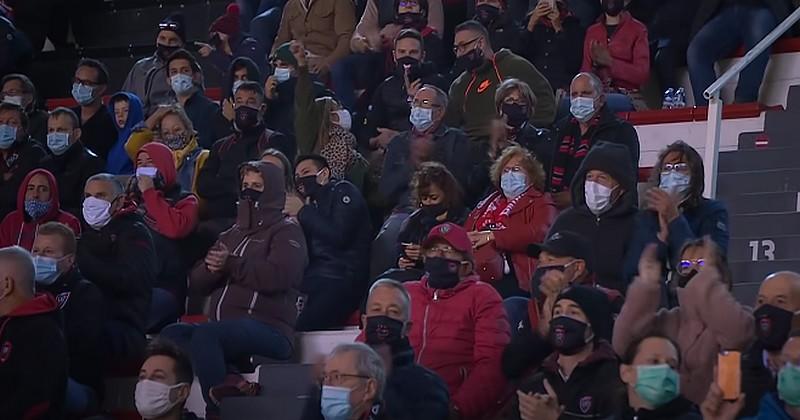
(282, 74)
(657, 384)
(46, 269)
(674, 183)
(58, 143)
(513, 183)
(421, 118)
(181, 83)
(789, 384)
(8, 135)
(582, 108)
(83, 94)
(335, 403)
(36, 208)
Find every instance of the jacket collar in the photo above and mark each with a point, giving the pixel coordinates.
(673, 409)
(437, 294)
(603, 352)
(40, 304)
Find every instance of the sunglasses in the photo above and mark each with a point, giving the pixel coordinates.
(685, 266)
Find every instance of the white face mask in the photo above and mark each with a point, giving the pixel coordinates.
(15, 100)
(421, 118)
(181, 83)
(152, 398)
(96, 212)
(345, 120)
(148, 171)
(598, 197)
(282, 74)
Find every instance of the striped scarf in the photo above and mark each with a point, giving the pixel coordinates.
(571, 151)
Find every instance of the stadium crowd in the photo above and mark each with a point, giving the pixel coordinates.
(451, 176)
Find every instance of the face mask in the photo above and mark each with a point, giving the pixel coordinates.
(598, 197)
(411, 20)
(148, 171)
(434, 210)
(442, 272)
(683, 279)
(345, 121)
(513, 184)
(471, 60)
(58, 143)
(236, 85)
(250, 194)
(282, 74)
(152, 398)
(15, 100)
(181, 83)
(335, 403)
(789, 385)
(246, 118)
(567, 335)
(613, 7)
(8, 135)
(516, 114)
(773, 325)
(674, 183)
(46, 269)
(582, 108)
(657, 384)
(164, 51)
(381, 329)
(174, 142)
(421, 118)
(36, 208)
(96, 212)
(410, 63)
(486, 13)
(83, 95)
(309, 184)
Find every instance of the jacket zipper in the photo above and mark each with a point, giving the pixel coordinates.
(221, 298)
(252, 303)
(425, 327)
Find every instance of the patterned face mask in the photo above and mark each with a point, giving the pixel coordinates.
(174, 141)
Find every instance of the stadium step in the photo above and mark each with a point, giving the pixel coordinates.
(754, 160)
(763, 248)
(764, 225)
(755, 272)
(765, 180)
(788, 201)
(746, 292)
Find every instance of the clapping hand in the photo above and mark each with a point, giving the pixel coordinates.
(540, 406)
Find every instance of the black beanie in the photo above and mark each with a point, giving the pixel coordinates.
(597, 307)
(177, 23)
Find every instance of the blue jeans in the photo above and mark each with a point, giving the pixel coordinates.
(78, 397)
(731, 27)
(164, 310)
(213, 345)
(264, 26)
(361, 67)
(517, 310)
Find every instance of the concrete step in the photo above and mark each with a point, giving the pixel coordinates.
(756, 159)
(755, 272)
(773, 180)
(762, 248)
(780, 129)
(763, 225)
(762, 202)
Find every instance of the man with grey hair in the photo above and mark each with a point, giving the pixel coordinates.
(412, 391)
(591, 121)
(428, 140)
(116, 253)
(33, 353)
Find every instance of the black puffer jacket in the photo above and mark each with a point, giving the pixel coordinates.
(557, 55)
(611, 231)
(412, 391)
(71, 170)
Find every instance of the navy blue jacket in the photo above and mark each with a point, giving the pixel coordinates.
(771, 408)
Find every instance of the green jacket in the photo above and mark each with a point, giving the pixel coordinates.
(471, 105)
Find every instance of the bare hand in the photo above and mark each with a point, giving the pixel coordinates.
(498, 133)
(216, 257)
(227, 109)
(388, 33)
(404, 263)
(299, 52)
(293, 205)
(319, 67)
(205, 50)
(382, 140)
(144, 182)
(542, 9)
(716, 408)
(553, 282)
(269, 87)
(155, 118)
(562, 199)
(360, 44)
(480, 238)
(545, 315)
(541, 406)
(413, 252)
(224, 40)
(663, 203)
(650, 266)
(600, 55)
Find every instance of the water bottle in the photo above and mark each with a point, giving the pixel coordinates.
(669, 99)
(680, 98)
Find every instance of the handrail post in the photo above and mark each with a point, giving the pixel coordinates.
(711, 152)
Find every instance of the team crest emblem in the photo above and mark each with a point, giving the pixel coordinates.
(444, 229)
(559, 334)
(585, 404)
(5, 351)
(62, 299)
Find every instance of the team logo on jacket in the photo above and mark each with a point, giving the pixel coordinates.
(484, 85)
(62, 299)
(585, 404)
(5, 351)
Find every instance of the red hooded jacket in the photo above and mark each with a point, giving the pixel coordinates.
(174, 219)
(19, 229)
(629, 49)
(460, 334)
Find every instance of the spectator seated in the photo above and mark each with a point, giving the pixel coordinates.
(20, 154)
(128, 113)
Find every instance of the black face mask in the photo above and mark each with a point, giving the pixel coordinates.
(410, 62)
(250, 194)
(309, 184)
(613, 7)
(247, 118)
(381, 329)
(486, 13)
(434, 210)
(567, 335)
(773, 325)
(442, 272)
(515, 113)
(411, 20)
(536, 279)
(164, 51)
(471, 60)
(683, 279)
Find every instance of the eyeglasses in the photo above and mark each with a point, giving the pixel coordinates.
(677, 167)
(513, 101)
(444, 250)
(424, 103)
(85, 82)
(512, 169)
(685, 266)
(335, 378)
(171, 26)
(463, 47)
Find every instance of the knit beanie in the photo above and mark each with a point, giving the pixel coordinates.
(284, 54)
(597, 307)
(228, 23)
(175, 23)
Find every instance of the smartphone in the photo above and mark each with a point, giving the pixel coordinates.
(729, 374)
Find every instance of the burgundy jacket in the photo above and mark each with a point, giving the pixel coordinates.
(629, 51)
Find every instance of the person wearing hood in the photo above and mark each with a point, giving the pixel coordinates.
(649, 370)
(19, 154)
(700, 329)
(253, 275)
(186, 80)
(147, 78)
(97, 127)
(37, 203)
(458, 325)
(241, 69)
(590, 122)
(604, 210)
(17, 89)
(472, 103)
(216, 183)
(69, 160)
(676, 211)
(495, 16)
(170, 126)
(335, 220)
(580, 379)
(227, 42)
(32, 347)
(83, 309)
(116, 253)
(127, 110)
(171, 214)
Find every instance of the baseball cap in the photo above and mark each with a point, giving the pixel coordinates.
(451, 233)
(565, 244)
